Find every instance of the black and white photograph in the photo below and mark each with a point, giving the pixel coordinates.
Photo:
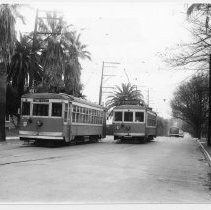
(105, 103)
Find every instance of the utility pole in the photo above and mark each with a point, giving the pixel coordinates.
(33, 53)
(148, 97)
(209, 117)
(34, 44)
(101, 85)
(105, 75)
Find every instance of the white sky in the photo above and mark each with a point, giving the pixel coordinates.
(131, 33)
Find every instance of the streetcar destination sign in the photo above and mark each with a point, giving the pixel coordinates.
(41, 100)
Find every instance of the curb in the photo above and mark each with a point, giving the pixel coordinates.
(206, 154)
(12, 137)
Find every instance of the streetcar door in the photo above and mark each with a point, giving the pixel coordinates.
(66, 126)
(65, 113)
(139, 122)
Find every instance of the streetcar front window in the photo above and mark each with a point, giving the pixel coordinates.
(118, 116)
(56, 110)
(128, 116)
(139, 117)
(26, 108)
(40, 109)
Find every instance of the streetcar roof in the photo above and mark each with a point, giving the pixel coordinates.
(60, 96)
(129, 107)
(174, 127)
(133, 107)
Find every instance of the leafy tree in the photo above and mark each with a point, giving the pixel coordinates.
(199, 7)
(123, 93)
(8, 15)
(190, 103)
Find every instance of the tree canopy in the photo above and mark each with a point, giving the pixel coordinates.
(8, 16)
(123, 93)
(190, 103)
(194, 55)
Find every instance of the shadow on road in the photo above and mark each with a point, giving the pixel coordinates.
(133, 142)
(51, 144)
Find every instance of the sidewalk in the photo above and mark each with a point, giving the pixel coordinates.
(205, 148)
(12, 135)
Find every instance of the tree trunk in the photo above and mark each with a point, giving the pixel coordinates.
(2, 102)
(197, 132)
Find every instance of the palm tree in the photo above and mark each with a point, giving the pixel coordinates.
(60, 58)
(73, 68)
(8, 15)
(19, 69)
(125, 92)
(52, 54)
(52, 59)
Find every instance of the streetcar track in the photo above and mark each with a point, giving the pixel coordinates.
(32, 160)
(82, 153)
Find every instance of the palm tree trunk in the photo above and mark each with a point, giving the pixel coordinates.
(2, 102)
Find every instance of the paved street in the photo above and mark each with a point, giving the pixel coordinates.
(167, 170)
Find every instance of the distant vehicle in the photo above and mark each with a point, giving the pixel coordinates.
(174, 131)
(181, 133)
(60, 118)
(134, 121)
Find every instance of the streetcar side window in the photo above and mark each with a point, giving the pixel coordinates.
(56, 110)
(26, 108)
(77, 114)
(77, 117)
(128, 116)
(118, 116)
(139, 117)
(65, 112)
(74, 108)
(74, 113)
(86, 115)
(40, 109)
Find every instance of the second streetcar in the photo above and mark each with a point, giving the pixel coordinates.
(134, 121)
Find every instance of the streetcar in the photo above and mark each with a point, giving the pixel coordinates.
(60, 118)
(134, 121)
